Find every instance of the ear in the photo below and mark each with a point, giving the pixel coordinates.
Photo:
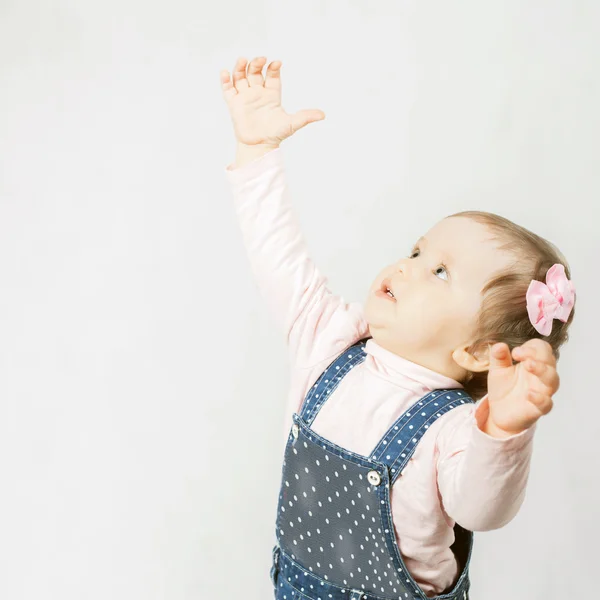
(476, 362)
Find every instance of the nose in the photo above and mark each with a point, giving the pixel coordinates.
(403, 268)
(408, 270)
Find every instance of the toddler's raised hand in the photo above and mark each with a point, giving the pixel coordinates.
(254, 103)
(520, 394)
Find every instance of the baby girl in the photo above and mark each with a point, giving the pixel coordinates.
(411, 417)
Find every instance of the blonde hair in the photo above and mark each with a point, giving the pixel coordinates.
(503, 316)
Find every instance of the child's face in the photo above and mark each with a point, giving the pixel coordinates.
(435, 309)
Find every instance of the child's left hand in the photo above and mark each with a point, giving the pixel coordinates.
(520, 394)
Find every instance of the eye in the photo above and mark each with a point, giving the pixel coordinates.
(440, 270)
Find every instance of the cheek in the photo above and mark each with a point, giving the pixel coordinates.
(471, 306)
(439, 314)
(427, 316)
(463, 313)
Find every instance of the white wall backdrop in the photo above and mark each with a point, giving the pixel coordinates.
(136, 355)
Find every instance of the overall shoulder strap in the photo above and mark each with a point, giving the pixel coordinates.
(330, 379)
(399, 443)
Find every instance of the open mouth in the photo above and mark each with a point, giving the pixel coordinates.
(385, 290)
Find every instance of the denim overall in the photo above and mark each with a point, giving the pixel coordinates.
(335, 538)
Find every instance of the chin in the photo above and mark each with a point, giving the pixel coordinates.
(372, 316)
(377, 317)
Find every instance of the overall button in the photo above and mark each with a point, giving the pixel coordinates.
(295, 430)
(374, 478)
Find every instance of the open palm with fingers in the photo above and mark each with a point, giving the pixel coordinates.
(519, 394)
(254, 103)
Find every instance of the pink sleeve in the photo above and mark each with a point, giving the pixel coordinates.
(316, 323)
(481, 479)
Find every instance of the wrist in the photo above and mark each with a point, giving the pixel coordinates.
(248, 153)
(494, 431)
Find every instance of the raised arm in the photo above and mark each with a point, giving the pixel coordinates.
(316, 323)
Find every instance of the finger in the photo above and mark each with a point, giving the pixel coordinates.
(541, 401)
(239, 75)
(227, 86)
(304, 117)
(273, 77)
(544, 372)
(500, 356)
(536, 349)
(255, 76)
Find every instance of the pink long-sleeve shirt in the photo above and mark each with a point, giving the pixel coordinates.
(458, 473)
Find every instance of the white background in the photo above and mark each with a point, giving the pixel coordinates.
(137, 359)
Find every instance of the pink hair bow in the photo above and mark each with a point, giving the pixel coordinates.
(551, 300)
